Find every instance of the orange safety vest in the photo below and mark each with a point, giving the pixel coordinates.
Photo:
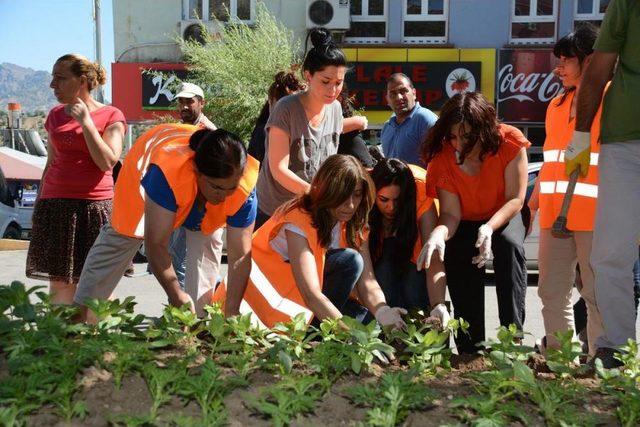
(167, 146)
(272, 295)
(553, 179)
(423, 204)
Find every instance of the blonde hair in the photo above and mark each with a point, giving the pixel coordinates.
(81, 66)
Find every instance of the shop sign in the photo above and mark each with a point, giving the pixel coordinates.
(526, 84)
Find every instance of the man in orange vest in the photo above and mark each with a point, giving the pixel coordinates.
(172, 177)
(190, 102)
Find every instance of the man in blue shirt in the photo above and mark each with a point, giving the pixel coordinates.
(405, 130)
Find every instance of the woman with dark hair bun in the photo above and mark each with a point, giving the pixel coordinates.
(400, 221)
(557, 258)
(284, 83)
(303, 129)
(477, 168)
(176, 175)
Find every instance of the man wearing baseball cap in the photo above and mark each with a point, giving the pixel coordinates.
(190, 99)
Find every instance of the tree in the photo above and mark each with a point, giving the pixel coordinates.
(236, 68)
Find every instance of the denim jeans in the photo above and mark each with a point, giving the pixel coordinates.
(342, 270)
(403, 286)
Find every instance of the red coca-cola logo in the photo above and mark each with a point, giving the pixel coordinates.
(532, 87)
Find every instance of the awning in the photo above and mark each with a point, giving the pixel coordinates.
(21, 166)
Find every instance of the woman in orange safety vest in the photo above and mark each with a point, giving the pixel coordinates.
(400, 221)
(558, 257)
(312, 256)
(176, 175)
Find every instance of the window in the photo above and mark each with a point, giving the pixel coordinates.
(533, 21)
(590, 10)
(368, 21)
(425, 21)
(240, 10)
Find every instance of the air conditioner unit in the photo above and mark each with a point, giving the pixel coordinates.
(193, 30)
(331, 14)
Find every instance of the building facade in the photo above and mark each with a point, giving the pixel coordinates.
(499, 47)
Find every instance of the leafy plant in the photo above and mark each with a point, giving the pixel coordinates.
(162, 383)
(291, 342)
(289, 398)
(391, 398)
(236, 68)
(347, 343)
(116, 316)
(508, 347)
(563, 360)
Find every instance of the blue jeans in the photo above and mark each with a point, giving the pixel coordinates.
(178, 251)
(342, 269)
(404, 286)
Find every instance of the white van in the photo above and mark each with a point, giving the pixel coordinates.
(9, 224)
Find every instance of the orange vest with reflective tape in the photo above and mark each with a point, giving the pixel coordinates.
(167, 146)
(272, 294)
(553, 179)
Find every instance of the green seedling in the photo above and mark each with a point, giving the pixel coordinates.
(125, 356)
(562, 361)
(291, 342)
(162, 383)
(207, 388)
(286, 400)
(392, 398)
(10, 417)
(347, 343)
(116, 316)
(508, 347)
(127, 420)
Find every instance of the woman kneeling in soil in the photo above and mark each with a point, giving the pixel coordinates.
(312, 256)
(402, 218)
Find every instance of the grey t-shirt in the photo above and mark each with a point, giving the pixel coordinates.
(308, 147)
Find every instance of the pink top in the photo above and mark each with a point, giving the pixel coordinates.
(73, 174)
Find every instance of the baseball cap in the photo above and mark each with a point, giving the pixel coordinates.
(189, 90)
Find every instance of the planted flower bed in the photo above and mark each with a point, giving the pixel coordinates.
(180, 370)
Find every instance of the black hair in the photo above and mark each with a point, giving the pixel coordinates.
(324, 52)
(396, 76)
(577, 44)
(219, 153)
(405, 225)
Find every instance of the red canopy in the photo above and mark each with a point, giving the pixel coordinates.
(21, 166)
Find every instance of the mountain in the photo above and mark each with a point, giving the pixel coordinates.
(26, 86)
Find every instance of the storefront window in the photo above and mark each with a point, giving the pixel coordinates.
(368, 21)
(425, 21)
(590, 11)
(223, 10)
(533, 21)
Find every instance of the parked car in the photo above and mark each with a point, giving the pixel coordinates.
(9, 212)
(532, 240)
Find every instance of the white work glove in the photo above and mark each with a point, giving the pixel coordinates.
(484, 246)
(391, 316)
(435, 242)
(578, 154)
(440, 311)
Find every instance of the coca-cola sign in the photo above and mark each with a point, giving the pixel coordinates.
(526, 84)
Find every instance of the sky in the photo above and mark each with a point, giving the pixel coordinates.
(37, 32)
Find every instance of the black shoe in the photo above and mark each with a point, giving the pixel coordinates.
(607, 357)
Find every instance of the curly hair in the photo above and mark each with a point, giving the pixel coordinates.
(81, 66)
(477, 118)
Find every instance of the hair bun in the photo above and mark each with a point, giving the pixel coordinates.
(320, 37)
(196, 139)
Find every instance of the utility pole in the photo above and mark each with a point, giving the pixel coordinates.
(98, 38)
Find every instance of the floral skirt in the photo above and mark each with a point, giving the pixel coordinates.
(63, 232)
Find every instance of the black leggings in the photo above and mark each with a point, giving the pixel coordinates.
(466, 281)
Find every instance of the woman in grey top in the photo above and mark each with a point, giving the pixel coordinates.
(304, 128)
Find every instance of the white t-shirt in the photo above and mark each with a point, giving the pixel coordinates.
(279, 243)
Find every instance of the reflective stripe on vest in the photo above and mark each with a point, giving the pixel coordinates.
(272, 295)
(582, 189)
(558, 156)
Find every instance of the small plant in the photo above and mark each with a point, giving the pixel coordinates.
(508, 347)
(162, 383)
(391, 398)
(562, 361)
(116, 316)
(293, 396)
(347, 343)
(292, 341)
